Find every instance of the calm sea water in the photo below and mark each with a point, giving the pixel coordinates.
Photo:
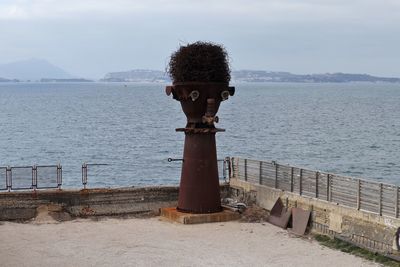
(350, 129)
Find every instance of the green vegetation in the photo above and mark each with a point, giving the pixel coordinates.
(354, 250)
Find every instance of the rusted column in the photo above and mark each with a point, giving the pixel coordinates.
(199, 186)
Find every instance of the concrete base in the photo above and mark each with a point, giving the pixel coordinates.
(190, 218)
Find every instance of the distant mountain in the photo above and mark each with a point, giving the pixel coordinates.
(72, 80)
(265, 76)
(251, 76)
(32, 69)
(138, 75)
(2, 80)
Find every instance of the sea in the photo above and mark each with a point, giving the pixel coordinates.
(351, 129)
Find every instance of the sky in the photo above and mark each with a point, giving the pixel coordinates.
(89, 38)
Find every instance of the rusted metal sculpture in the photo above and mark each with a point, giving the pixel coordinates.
(199, 190)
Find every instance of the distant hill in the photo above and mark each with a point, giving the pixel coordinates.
(265, 76)
(73, 80)
(138, 75)
(251, 76)
(32, 69)
(2, 80)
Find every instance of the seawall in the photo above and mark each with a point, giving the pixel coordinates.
(364, 229)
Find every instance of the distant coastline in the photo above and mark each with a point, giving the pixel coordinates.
(249, 76)
(35, 70)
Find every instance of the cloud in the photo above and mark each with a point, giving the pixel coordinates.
(96, 36)
(12, 12)
(267, 10)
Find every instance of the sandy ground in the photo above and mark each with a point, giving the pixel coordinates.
(155, 242)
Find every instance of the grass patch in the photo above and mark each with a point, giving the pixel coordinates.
(354, 250)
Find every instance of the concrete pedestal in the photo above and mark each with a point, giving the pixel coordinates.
(189, 218)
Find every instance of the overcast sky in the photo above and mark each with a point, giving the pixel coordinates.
(90, 38)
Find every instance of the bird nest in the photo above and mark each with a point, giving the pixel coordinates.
(200, 62)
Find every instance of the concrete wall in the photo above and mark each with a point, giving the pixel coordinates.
(24, 205)
(365, 229)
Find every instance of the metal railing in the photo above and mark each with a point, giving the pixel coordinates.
(379, 198)
(223, 167)
(85, 167)
(30, 177)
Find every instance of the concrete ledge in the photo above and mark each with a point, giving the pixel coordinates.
(189, 218)
(23, 205)
(90, 202)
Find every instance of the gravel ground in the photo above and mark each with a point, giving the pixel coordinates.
(156, 242)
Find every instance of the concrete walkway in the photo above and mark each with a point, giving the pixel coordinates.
(154, 242)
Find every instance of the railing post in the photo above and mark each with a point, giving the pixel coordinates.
(34, 177)
(245, 169)
(358, 194)
(260, 178)
(233, 168)
(59, 176)
(276, 175)
(396, 205)
(229, 166)
(380, 198)
(316, 184)
(224, 170)
(329, 188)
(8, 178)
(84, 175)
(291, 179)
(301, 182)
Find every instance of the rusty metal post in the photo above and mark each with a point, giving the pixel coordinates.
(328, 180)
(301, 182)
(380, 198)
(199, 190)
(316, 184)
(276, 175)
(291, 179)
(245, 170)
(330, 187)
(358, 194)
(396, 205)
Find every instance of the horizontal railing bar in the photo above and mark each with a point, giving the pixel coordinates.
(21, 188)
(46, 187)
(46, 166)
(26, 167)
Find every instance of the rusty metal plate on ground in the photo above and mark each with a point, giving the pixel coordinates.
(279, 216)
(277, 208)
(281, 221)
(300, 220)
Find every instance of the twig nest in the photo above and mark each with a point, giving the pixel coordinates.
(200, 62)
